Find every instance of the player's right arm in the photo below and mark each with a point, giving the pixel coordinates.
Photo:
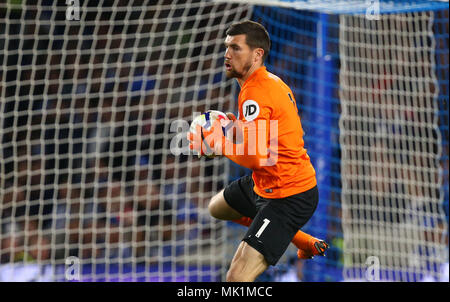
(252, 139)
(250, 149)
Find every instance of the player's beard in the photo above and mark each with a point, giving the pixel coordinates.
(233, 73)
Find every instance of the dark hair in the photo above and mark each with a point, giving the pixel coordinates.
(256, 36)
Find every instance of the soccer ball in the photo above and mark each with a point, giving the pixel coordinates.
(206, 120)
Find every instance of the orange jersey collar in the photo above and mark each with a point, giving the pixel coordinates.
(257, 73)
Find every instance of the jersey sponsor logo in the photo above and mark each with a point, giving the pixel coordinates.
(250, 109)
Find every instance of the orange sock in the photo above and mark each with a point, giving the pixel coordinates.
(245, 221)
(301, 240)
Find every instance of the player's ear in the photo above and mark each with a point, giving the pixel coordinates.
(259, 53)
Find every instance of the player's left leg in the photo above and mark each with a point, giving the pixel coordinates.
(247, 264)
(308, 246)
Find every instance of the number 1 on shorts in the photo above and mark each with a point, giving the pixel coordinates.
(262, 228)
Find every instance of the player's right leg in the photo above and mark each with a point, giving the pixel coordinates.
(219, 208)
(234, 202)
(309, 246)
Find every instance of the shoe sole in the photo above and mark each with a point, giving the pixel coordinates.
(321, 247)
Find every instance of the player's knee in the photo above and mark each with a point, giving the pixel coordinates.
(212, 208)
(231, 276)
(236, 276)
(215, 205)
(219, 208)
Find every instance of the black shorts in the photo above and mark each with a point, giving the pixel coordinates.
(275, 221)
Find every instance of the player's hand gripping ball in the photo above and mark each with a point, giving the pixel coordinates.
(203, 130)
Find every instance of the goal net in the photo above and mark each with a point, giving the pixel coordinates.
(372, 87)
(96, 183)
(392, 190)
(93, 100)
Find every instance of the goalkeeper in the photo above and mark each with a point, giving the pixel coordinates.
(281, 195)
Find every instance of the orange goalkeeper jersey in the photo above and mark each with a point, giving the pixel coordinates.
(283, 168)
